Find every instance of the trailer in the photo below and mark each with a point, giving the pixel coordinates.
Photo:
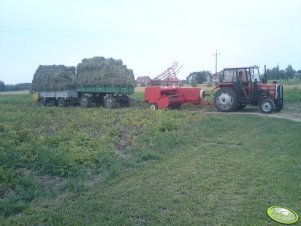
(60, 98)
(172, 97)
(109, 96)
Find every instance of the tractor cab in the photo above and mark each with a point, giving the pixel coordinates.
(241, 86)
(242, 80)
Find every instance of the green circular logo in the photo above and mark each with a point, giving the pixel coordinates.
(282, 215)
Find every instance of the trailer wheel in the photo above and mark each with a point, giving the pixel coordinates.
(267, 106)
(61, 102)
(84, 101)
(110, 102)
(124, 102)
(42, 102)
(153, 107)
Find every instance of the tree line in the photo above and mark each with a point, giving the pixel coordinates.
(16, 87)
(274, 73)
(277, 74)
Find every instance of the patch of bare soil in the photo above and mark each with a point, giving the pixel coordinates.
(43, 180)
(21, 92)
(291, 111)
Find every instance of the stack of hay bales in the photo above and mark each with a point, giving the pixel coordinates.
(99, 71)
(53, 78)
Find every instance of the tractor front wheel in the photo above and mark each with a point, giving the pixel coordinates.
(267, 106)
(225, 99)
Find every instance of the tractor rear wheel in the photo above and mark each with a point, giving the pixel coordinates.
(225, 99)
(267, 106)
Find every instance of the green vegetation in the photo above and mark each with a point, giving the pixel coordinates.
(292, 90)
(16, 87)
(292, 95)
(276, 73)
(133, 166)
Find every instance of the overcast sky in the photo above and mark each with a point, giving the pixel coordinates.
(148, 35)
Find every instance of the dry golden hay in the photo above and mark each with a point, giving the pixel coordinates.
(96, 71)
(99, 71)
(53, 77)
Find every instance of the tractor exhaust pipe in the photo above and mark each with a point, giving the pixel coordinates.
(265, 80)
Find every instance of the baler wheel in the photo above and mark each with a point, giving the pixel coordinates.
(153, 107)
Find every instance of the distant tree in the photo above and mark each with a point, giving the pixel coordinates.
(184, 82)
(17, 87)
(276, 74)
(289, 72)
(199, 77)
(299, 72)
(282, 74)
(2, 86)
(273, 74)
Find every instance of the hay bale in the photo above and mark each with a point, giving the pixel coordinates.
(53, 78)
(99, 71)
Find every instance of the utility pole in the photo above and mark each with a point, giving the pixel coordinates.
(216, 54)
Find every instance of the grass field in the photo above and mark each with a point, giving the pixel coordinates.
(133, 166)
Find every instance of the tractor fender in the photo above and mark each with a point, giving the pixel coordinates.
(260, 99)
(228, 85)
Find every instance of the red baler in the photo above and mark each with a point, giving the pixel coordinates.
(172, 97)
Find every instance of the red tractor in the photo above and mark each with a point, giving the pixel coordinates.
(239, 87)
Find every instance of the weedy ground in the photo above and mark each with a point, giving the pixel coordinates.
(133, 166)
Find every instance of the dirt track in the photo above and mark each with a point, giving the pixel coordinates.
(291, 111)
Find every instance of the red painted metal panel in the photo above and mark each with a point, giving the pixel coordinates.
(166, 97)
